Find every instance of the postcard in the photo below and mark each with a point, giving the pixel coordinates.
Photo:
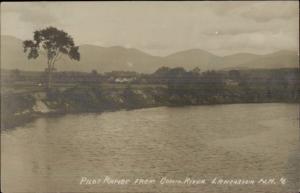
(150, 96)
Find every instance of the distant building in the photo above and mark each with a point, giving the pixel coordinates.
(122, 80)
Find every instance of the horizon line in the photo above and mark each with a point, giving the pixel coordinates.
(179, 51)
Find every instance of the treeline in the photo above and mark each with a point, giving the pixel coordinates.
(234, 86)
(189, 86)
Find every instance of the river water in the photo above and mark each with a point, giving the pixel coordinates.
(258, 142)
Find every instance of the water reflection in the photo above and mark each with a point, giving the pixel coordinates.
(248, 141)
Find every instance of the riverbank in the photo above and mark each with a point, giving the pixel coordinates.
(20, 108)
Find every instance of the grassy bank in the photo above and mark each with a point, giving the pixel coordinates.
(20, 105)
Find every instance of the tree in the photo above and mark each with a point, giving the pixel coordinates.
(94, 76)
(94, 72)
(234, 75)
(196, 70)
(53, 43)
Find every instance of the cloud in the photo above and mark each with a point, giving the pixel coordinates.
(257, 42)
(37, 14)
(38, 17)
(279, 10)
(259, 11)
(161, 28)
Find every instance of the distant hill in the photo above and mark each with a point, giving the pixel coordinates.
(280, 59)
(194, 58)
(104, 59)
(238, 59)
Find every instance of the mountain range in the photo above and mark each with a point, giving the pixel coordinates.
(105, 59)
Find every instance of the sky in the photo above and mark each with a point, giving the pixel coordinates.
(162, 28)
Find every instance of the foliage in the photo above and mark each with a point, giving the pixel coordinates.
(181, 87)
(53, 43)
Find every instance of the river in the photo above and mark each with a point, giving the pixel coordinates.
(258, 142)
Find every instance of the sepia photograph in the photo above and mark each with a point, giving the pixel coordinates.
(150, 97)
